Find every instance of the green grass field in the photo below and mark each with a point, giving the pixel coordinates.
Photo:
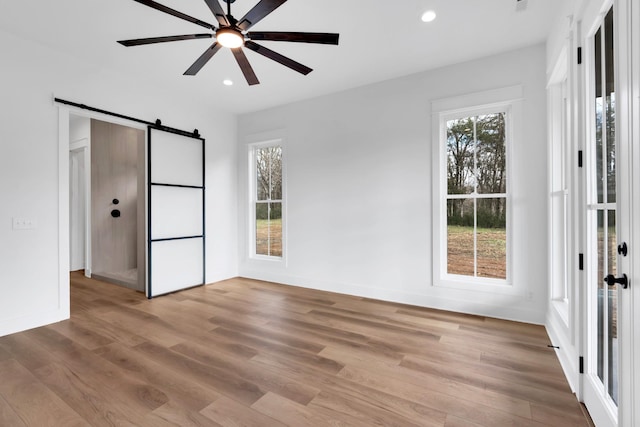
(269, 237)
(492, 248)
(492, 251)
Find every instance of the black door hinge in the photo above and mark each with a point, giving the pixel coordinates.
(581, 365)
(579, 158)
(580, 261)
(579, 55)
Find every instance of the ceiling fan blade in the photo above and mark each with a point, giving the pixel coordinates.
(246, 68)
(296, 66)
(200, 62)
(152, 40)
(218, 12)
(175, 13)
(258, 12)
(281, 36)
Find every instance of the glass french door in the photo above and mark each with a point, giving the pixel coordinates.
(602, 381)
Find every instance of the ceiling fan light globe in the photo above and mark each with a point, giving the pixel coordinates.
(428, 16)
(230, 38)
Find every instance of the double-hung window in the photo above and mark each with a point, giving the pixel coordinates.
(472, 202)
(267, 199)
(476, 210)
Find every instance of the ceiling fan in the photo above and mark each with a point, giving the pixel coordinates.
(233, 34)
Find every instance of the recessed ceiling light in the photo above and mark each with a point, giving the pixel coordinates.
(227, 82)
(428, 16)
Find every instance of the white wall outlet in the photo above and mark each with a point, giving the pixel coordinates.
(24, 223)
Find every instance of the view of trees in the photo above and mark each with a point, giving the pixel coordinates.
(476, 162)
(268, 164)
(608, 112)
(269, 173)
(476, 225)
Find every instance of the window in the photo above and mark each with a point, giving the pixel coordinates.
(476, 173)
(471, 217)
(559, 173)
(267, 203)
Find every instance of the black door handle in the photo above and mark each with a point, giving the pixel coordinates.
(612, 280)
(623, 249)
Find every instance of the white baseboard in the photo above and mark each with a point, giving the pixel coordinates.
(422, 300)
(23, 323)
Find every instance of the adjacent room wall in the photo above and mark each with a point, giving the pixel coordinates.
(359, 189)
(115, 171)
(79, 166)
(30, 76)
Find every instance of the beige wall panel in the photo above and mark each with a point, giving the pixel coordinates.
(114, 175)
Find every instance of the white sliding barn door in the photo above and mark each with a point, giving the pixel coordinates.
(176, 212)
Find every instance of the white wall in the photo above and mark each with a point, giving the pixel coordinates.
(31, 74)
(359, 188)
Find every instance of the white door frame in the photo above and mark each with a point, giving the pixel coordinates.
(83, 146)
(64, 147)
(632, 412)
(627, 118)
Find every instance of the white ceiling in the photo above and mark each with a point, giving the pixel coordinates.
(379, 40)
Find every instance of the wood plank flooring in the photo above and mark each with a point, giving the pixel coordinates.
(250, 353)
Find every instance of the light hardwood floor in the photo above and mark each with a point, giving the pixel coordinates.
(249, 353)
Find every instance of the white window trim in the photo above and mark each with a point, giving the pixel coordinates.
(252, 147)
(560, 132)
(508, 100)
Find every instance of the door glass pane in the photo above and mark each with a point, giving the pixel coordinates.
(492, 238)
(599, 118)
(601, 173)
(460, 237)
(176, 265)
(601, 238)
(490, 154)
(610, 108)
(177, 212)
(460, 156)
(176, 159)
(612, 312)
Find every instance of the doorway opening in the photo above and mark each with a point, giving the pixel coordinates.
(107, 215)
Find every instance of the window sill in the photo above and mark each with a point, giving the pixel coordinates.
(476, 284)
(278, 262)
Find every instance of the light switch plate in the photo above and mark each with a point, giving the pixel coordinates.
(24, 223)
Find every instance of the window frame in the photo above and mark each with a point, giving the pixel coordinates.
(560, 127)
(253, 199)
(508, 101)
